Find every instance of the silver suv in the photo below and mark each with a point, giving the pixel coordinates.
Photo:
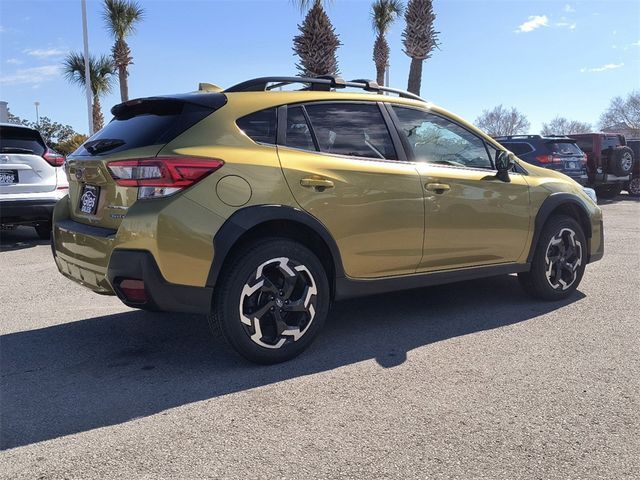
(32, 179)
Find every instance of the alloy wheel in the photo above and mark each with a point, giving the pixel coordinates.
(278, 302)
(563, 259)
(634, 186)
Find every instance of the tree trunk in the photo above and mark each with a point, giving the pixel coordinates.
(98, 119)
(415, 76)
(380, 75)
(123, 80)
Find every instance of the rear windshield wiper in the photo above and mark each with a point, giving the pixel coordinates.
(102, 145)
(15, 150)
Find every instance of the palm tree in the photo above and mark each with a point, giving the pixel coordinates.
(120, 17)
(317, 43)
(383, 14)
(419, 39)
(101, 72)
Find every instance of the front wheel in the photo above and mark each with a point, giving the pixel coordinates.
(558, 262)
(272, 300)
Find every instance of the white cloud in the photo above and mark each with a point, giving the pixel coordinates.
(636, 44)
(14, 61)
(569, 9)
(44, 52)
(570, 26)
(535, 21)
(608, 66)
(31, 76)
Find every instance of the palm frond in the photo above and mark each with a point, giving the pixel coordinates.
(101, 71)
(384, 13)
(121, 16)
(305, 5)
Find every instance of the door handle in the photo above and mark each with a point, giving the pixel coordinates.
(320, 184)
(437, 187)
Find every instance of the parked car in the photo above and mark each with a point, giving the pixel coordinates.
(633, 187)
(609, 161)
(558, 153)
(260, 207)
(32, 179)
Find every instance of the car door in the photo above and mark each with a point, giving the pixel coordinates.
(472, 218)
(341, 164)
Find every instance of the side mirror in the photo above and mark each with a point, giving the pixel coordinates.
(505, 161)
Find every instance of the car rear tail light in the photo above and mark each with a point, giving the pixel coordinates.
(53, 158)
(162, 176)
(548, 159)
(133, 290)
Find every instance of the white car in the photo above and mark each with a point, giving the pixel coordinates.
(32, 179)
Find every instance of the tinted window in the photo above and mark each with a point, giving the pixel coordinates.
(586, 145)
(298, 132)
(565, 148)
(610, 142)
(149, 122)
(351, 129)
(20, 140)
(260, 126)
(518, 148)
(438, 140)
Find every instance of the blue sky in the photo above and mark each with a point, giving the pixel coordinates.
(546, 58)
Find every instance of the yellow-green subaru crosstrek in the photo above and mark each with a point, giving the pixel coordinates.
(259, 207)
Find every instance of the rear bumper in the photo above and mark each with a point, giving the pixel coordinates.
(16, 212)
(162, 295)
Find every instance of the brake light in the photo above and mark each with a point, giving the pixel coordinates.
(548, 159)
(162, 176)
(53, 158)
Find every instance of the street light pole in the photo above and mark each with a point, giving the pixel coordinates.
(87, 71)
(37, 104)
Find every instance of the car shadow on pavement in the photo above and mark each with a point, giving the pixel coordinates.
(19, 238)
(108, 370)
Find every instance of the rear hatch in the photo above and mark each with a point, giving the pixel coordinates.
(23, 168)
(139, 130)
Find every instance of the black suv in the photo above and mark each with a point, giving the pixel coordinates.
(554, 152)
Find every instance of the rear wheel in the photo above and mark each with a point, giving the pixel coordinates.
(43, 230)
(558, 262)
(634, 187)
(272, 300)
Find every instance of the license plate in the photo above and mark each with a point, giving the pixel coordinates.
(8, 176)
(89, 199)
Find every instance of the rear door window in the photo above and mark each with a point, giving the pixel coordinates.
(260, 126)
(518, 148)
(298, 131)
(565, 148)
(21, 140)
(353, 129)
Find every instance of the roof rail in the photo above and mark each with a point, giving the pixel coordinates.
(509, 137)
(322, 83)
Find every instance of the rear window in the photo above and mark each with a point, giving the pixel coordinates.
(585, 144)
(151, 122)
(518, 148)
(565, 148)
(20, 140)
(260, 126)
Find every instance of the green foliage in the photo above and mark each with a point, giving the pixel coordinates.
(120, 17)
(317, 43)
(71, 144)
(101, 70)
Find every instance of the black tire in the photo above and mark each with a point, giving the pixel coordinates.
(633, 187)
(559, 260)
(284, 287)
(609, 191)
(622, 161)
(43, 230)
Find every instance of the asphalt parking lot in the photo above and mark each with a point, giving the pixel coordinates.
(471, 380)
